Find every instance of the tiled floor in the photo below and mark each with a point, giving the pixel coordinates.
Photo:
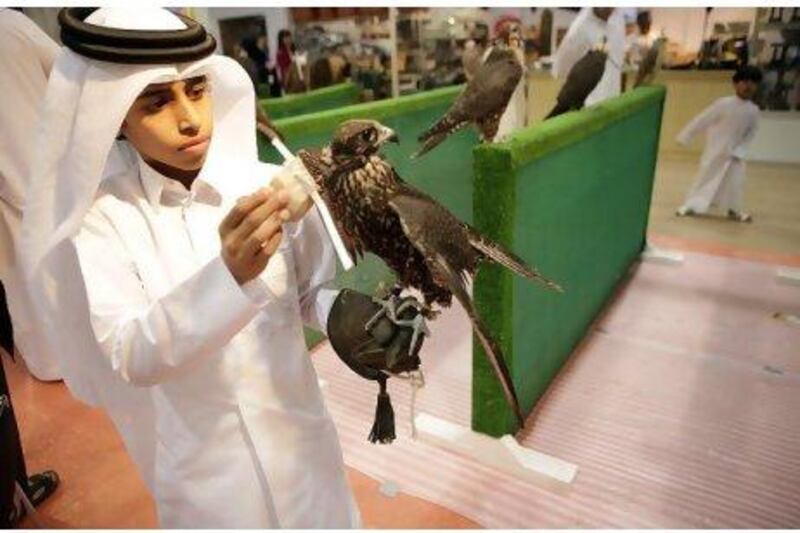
(101, 489)
(679, 409)
(772, 196)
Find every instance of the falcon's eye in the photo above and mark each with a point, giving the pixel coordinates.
(368, 135)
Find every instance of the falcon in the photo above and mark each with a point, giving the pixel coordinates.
(583, 77)
(418, 238)
(486, 96)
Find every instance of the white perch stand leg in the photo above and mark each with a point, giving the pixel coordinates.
(504, 453)
(789, 276)
(658, 255)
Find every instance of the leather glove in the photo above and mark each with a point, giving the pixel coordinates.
(375, 352)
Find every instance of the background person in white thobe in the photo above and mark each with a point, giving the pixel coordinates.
(195, 288)
(640, 42)
(26, 56)
(594, 27)
(730, 124)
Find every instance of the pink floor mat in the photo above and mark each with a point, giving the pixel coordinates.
(680, 409)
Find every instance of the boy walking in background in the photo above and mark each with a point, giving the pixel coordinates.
(731, 124)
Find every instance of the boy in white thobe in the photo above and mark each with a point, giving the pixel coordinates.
(731, 124)
(179, 294)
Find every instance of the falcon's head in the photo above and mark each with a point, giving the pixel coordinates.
(360, 138)
(509, 33)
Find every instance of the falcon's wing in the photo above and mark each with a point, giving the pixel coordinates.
(496, 253)
(581, 81)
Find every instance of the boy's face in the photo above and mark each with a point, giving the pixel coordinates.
(745, 89)
(172, 123)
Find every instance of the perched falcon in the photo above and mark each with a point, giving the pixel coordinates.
(419, 239)
(651, 63)
(485, 98)
(583, 77)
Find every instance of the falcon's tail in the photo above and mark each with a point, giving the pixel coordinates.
(429, 144)
(559, 109)
(496, 253)
(493, 352)
(437, 133)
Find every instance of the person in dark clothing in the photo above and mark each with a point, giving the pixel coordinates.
(257, 56)
(265, 73)
(285, 54)
(13, 472)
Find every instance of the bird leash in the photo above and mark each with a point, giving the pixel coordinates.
(311, 189)
(416, 379)
(603, 47)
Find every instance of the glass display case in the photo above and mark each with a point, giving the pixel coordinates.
(777, 47)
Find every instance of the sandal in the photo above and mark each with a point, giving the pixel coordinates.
(39, 487)
(739, 217)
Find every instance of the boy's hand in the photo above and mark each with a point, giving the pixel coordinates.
(251, 232)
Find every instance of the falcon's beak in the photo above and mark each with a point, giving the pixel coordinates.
(387, 135)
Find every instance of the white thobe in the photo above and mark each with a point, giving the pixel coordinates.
(730, 124)
(639, 44)
(243, 438)
(586, 32)
(26, 57)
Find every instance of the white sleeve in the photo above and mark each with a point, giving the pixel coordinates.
(699, 123)
(315, 266)
(149, 342)
(26, 57)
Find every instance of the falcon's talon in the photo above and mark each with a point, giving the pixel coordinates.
(388, 309)
(392, 308)
(419, 325)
